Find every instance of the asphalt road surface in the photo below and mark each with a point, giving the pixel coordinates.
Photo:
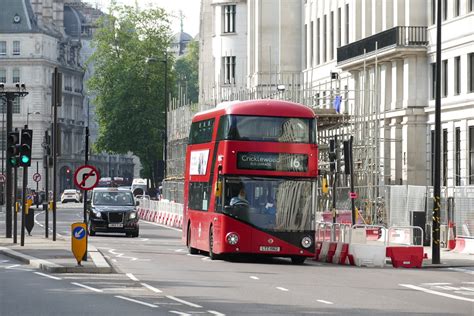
(156, 275)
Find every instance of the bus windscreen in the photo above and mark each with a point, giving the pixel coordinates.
(268, 129)
(272, 204)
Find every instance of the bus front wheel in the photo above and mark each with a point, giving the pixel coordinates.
(298, 260)
(212, 255)
(191, 250)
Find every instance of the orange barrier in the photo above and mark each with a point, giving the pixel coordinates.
(406, 256)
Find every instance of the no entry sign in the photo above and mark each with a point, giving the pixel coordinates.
(86, 177)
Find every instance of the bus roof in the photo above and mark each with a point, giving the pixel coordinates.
(258, 108)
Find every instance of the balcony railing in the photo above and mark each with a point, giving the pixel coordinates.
(400, 36)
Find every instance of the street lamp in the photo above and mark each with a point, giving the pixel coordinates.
(150, 60)
(28, 116)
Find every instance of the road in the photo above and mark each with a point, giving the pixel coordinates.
(158, 276)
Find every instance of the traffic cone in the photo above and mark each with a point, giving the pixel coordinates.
(451, 237)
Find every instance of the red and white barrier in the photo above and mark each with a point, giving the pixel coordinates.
(162, 212)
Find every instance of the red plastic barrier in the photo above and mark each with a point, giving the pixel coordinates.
(405, 256)
(344, 253)
(319, 245)
(331, 251)
(460, 244)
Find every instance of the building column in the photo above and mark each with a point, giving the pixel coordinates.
(413, 143)
(385, 87)
(410, 79)
(387, 16)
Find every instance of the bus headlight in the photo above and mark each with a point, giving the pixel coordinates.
(306, 242)
(232, 238)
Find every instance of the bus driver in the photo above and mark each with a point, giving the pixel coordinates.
(239, 199)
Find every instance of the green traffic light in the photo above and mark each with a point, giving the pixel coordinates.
(14, 161)
(25, 159)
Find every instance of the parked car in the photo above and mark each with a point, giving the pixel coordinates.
(71, 195)
(113, 210)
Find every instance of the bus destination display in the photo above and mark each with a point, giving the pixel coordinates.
(272, 161)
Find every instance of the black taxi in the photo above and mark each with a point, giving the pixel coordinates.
(113, 210)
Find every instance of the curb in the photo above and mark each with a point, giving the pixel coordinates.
(101, 265)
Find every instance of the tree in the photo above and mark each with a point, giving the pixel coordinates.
(187, 71)
(130, 96)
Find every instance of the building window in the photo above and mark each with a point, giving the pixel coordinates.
(445, 157)
(16, 75)
(3, 48)
(471, 155)
(306, 41)
(3, 75)
(445, 10)
(457, 6)
(318, 41)
(471, 72)
(229, 69)
(457, 75)
(16, 47)
(229, 18)
(331, 36)
(433, 81)
(457, 159)
(325, 37)
(16, 106)
(444, 80)
(347, 24)
(311, 43)
(339, 27)
(433, 11)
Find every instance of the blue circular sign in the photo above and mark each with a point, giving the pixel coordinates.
(79, 232)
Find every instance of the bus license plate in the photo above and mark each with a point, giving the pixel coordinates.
(116, 225)
(269, 248)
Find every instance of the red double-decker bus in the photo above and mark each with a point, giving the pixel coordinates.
(250, 180)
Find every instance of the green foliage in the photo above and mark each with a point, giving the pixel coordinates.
(130, 96)
(187, 71)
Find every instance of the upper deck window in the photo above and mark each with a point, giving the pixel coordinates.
(201, 132)
(267, 129)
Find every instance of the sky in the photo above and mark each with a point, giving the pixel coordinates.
(190, 10)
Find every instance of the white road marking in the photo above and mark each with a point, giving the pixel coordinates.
(144, 239)
(447, 288)
(132, 277)
(136, 301)
(413, 287)
(206, 259)
(282, 289)
(151, 288)
(16, 267)
(254, 277)
(179, 313)
(467, 282)
(440, 283)
(179, 250)
(12, 266)
(87, 287)
(462, 270)
(160, 225)
(216, 313)
(183, 301)
(325, 302)
(48, 276)
(3, 261)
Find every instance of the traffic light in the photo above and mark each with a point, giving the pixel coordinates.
(25, 147)
(13, 145)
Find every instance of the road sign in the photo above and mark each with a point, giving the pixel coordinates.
(36, 177)
(2, 178)
(352, 195)
(86, 177)
(79, 241)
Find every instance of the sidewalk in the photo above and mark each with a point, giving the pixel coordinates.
(449, 259)
(53, 256)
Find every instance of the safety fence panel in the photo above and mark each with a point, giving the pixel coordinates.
(464, 210)
(398, 205)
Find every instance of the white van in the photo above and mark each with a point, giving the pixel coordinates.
(139, 186)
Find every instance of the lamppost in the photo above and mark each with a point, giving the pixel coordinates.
(28, 116)
(150, 60)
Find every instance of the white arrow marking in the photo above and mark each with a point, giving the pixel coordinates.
(79, 233)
